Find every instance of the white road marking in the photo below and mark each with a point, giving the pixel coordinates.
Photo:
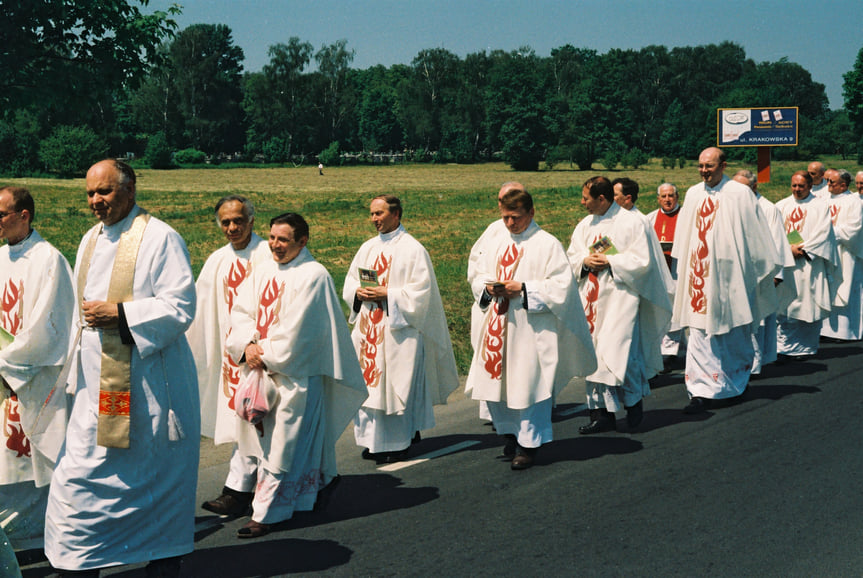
(426, 457)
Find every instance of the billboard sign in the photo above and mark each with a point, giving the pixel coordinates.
(746, 127)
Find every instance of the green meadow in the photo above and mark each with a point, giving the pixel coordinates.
(446, 208)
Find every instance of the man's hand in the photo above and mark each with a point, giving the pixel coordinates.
(100, 313)
(508, 289)
(797, 251)
(596, 262)
(377, 293)
(253, 356)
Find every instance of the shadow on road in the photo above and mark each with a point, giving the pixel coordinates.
(261, 558)
(775, 392)
(838, 351)
(358, 496)
(586, 448)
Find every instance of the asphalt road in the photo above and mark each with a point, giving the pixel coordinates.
(768, 487)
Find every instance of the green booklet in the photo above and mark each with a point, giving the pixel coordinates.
(794, 237)
(6, 338)
(368, 277)
(605, 246)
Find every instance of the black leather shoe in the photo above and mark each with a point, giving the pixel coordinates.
(597, 426)
(510, 447)
(391, 457)
(697, 405)
(600, 420)
(635, 415)
(367, 455)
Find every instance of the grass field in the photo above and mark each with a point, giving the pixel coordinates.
(446, 209)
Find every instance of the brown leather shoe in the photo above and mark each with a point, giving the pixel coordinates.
(253, 529)
(230, 504)
(523, 458)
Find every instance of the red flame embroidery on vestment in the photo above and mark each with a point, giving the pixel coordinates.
(372, 329)
(13, 430)
(795, 220)
(699, 263)
(495, 331)
(10, 306)
(268, 306)
(232, 281)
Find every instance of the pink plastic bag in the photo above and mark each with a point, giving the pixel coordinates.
(251, 399)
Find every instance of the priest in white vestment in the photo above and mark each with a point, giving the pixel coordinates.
(846, 323)
(817, 171)
(534, 337)
(36, 308)
(400, 335)
(287, 322)
(764, 337)
(727, 264)
(816, 274)
(218, 376)
(476, 254)
(624, 286)
(123, 490)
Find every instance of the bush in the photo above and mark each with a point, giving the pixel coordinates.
(190, 156)
(611, 159)
(681, 162)
(20, 134)
(583, 156)
(635, 158)
(158, 153)
(330, 155)
(71, 150)
(276, 150)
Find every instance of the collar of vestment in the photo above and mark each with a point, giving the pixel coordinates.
(392, 235)
(303, 256)
(530, 230)
(244, 253)
(24, 245)
(718, 186)
(612, 211)
(672, 212)
(115, 377)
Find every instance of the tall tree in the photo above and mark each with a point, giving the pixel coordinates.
(379, 126)
(335, 100)
(852, 89)
(278, 102)
(60, 54)
(516, 110)
(207, 69)
(67, 63)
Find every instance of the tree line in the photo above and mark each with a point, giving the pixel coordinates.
(86, 79)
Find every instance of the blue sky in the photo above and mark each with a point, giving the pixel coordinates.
(824, 40)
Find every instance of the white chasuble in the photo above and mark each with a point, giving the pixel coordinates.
(218, 375)
(527, 354)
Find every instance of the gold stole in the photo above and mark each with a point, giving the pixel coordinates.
(115, 378)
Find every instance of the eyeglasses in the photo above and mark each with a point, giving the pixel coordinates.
(4, 214)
